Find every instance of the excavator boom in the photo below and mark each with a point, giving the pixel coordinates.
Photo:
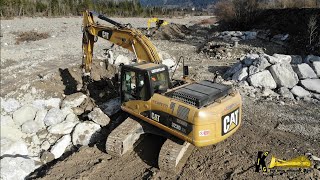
(120, 34)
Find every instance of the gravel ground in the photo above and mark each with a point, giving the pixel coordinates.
(29, 70)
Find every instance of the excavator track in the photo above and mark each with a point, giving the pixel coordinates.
(124, 137)
(173, 156)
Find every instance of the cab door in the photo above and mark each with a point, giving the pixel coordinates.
(135, 91)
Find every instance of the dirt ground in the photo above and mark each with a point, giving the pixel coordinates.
(40, 65)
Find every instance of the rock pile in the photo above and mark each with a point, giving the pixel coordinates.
(36, 133)
(288, 76)
(237, 35)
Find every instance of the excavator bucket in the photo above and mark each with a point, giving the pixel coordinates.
(298, 162)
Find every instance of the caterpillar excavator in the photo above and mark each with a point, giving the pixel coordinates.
(159, 23)
(187, 113)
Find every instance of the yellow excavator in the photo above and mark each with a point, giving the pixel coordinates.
(187, 113)
(159, 23)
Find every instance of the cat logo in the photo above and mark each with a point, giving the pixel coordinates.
(230, 121)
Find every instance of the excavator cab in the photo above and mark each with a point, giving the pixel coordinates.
(141, 80)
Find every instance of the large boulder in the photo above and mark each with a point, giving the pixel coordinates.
(85, 133)
(11, 146)
(64, 127)
(73, 100)
(98, 116)
(262, 79)
(233, 69)
(311, 84)
(170, 63)
(316, 67)
(39, 119)
(284, 75)
(311, 58)
(9, 105)
(253, 70)
(282, 58)
(49, 103)
(16, 168)
(296, 59)
(7, 121)
(300, 92)
(261, 63)
(285, 92)
(23, 114)
(240, 75)
(304, 71)
(30, 127)
(54, 116)
(249, 59)
(61, 145)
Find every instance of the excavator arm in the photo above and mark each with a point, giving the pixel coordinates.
(119, 34)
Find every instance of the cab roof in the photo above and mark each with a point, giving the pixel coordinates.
(146, 66)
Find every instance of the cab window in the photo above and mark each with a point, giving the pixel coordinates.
(159, 81)
(134, 86)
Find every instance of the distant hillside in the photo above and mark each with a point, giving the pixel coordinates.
(177, 3)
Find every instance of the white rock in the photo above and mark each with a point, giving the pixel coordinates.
(30, 127)
(262, 79)
(312, 58)
(282, 58)
(170, 63)
(233, 69)
(99, 117)
(296, 59)
(261, 63)
(84, 133)
(253, 70)
(316, 67)
(45, 145)
(311, 85)
(39, 119)
(66, 111)
(72, 118)
(23, 114)
(269, 92)
(284, 75)
(111, 107)
(36, 140)
(300, 92)
(7, 121)
(49, 103)
(316, 96)
(250, 35)
(59, 148)
(73, 100)
(16, 168)
(13, 147)
(164, 55)
(285, 92)
(121, 59)
(9, 105)
(240, 75)
(304, 71)
(11, 132)
(250, 58)
(54, 116)
(64, 127)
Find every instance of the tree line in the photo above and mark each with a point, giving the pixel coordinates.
(14, 8)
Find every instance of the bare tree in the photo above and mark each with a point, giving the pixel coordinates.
(312, 29)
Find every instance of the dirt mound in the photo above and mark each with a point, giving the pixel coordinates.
(168, 32)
